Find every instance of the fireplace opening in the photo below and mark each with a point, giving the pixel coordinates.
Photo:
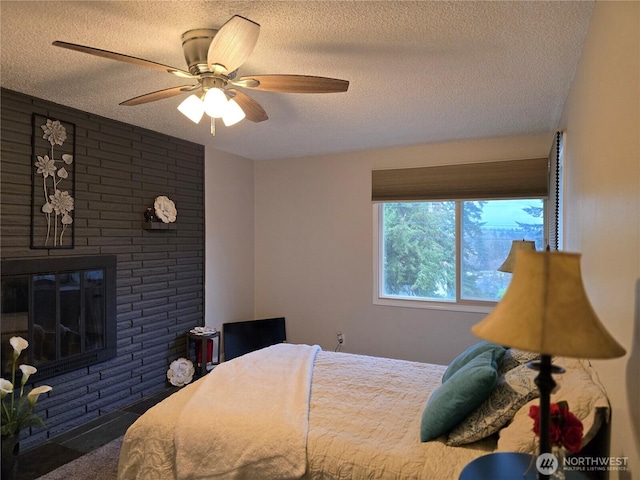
(64, 307)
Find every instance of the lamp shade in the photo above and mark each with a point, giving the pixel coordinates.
(215, 102)
(545, 309)
(233, 113)
(192, 108)
(510, 261)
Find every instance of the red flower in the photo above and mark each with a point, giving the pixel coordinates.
(565, 430)
(555, 434)
(572, 431)
(534, 412)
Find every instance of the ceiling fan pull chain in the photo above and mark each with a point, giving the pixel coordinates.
(213, 127)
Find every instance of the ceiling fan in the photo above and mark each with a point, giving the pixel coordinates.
(213, 58)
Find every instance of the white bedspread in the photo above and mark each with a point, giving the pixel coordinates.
(256, 416)
(364, 423)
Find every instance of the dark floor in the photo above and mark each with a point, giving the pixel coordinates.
(64, 448)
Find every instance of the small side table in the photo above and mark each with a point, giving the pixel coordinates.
(203, 339)
(507, 466)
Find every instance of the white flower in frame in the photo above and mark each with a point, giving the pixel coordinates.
(61, 202)
(46, 166)
(165, 209)
(53, 171)
(180, 372)
(54, 132)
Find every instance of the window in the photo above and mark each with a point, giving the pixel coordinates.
(449, 251)
(441, 232)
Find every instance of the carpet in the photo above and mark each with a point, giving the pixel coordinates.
(100, 464)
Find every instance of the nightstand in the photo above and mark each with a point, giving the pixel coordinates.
(507, 466)
(204, 340)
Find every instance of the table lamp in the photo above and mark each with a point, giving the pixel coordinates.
(510, 261)
(546, 310)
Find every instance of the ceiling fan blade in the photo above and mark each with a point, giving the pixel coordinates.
(123, 58)
(232, 45)
(252, 109)
(159, 95)
(296, 83)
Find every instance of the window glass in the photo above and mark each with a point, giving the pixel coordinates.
(94, 309)
(488, 228)
(450, 251)
(419, 250)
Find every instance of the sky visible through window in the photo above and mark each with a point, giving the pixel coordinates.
(505, 214)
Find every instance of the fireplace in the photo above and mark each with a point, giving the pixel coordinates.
(64, 307)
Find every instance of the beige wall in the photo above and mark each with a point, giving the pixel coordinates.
(314, 241)
(601, 119)
(229, 238)
(314, 250)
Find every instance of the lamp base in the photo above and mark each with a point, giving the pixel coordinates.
(546, 385)
(536, 365)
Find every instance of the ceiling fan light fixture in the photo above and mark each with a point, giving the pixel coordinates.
(192, 108)
(215, 102)
(233, 113)
(214, 57)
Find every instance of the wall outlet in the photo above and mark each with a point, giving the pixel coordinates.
(340, 338)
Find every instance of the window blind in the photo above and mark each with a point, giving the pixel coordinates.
(473, 181)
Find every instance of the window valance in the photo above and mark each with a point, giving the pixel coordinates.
(490, 180)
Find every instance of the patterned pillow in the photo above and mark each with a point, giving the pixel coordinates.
(514, 388)
(514, 357)
(580, 386)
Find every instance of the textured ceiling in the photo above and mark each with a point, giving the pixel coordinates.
(419, 72)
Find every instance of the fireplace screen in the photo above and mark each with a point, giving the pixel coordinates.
(64, 308)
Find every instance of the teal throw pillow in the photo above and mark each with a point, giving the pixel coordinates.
(458, 396)
(497, 352)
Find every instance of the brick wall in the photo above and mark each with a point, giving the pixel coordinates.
(120, 169)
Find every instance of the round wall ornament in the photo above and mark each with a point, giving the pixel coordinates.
(165, 209)
(180, 372)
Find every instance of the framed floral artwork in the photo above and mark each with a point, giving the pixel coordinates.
(53, 144)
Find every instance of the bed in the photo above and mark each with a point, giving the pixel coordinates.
(296, 411)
